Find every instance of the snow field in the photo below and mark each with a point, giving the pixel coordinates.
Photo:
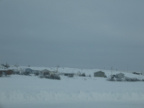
(31, 91)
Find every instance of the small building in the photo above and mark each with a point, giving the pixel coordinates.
(100, 74)
(36, 72)
(120, 75)
(49, 74)
(44, 73)
(5, 72)
(26, 71)
(137, 73)
(117, 77)
(29, 70)
(69, 74)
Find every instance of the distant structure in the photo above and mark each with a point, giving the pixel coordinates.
(100, 74)
(5, 72)
(137, 73)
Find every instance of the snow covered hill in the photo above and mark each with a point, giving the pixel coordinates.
(20, 91)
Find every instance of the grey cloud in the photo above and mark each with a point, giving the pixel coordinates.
(74, 33)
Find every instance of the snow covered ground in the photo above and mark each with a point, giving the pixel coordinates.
(19, 91)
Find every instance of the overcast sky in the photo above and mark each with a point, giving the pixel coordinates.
(73, 33)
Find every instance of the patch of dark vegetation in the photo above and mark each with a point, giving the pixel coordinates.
(122, 77)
